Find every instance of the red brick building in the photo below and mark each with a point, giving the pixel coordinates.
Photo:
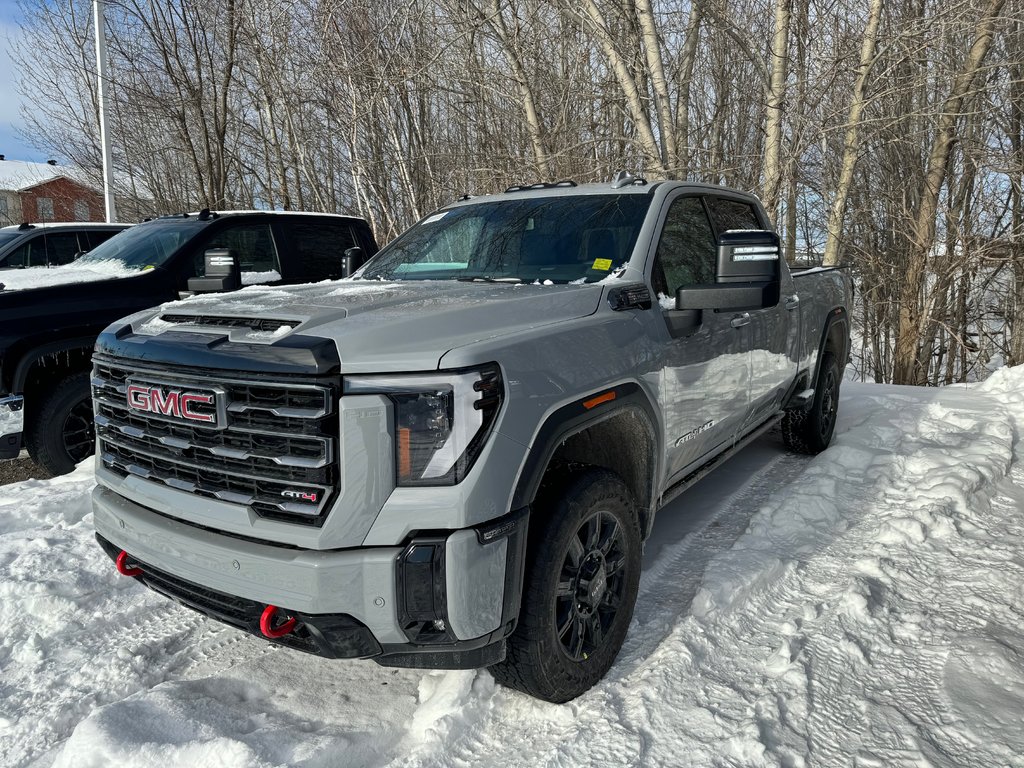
(60, 199)
(41, 192)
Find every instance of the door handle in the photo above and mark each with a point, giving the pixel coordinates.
(792, 302)
(740, 320)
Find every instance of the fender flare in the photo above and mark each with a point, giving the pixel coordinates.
(575, 417)
(836, 316)
(36, 354)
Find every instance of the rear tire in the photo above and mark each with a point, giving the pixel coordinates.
(580, 585)
(61, 431)
(811, 431)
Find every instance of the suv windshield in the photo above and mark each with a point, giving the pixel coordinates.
(561, 239)
(146, 245)
(7, 237)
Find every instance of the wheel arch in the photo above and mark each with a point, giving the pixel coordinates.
(70, 355)
(620, 433)
(835, 336)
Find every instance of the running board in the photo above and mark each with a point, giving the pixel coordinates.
(705, 469)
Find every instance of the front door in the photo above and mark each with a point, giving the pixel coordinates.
(704, 375)
(772, 331)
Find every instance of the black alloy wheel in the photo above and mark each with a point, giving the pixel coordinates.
(590, 586)
(79, 431)
(580, 583)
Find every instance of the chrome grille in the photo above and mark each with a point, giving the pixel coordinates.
(275, 454)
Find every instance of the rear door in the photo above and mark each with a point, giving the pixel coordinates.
(704, 372)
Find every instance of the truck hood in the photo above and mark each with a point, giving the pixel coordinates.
(377, 326)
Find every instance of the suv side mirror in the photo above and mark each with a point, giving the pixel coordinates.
(222, 273)
(353, 259)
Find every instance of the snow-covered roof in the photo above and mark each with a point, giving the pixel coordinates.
(17, 175)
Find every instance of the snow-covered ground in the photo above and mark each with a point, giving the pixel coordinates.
(863, 608)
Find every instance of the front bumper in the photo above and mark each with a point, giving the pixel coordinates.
(447, 600)
(12, 424)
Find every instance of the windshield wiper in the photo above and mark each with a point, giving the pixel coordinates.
(489, 279)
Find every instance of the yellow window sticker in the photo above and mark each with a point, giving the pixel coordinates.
(602, 264)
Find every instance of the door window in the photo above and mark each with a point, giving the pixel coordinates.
(732, 214)
(253, 244)
(687, 252)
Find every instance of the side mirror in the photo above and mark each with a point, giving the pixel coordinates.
(747, 278)
(222, 273)
(353, 259)
(748, 255)
(728, 296)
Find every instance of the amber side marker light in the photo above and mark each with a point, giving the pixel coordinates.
(604, 397)
(404, 452)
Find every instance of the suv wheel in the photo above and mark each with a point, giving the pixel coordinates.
(811, 431)
(62, 433)
(582, 574)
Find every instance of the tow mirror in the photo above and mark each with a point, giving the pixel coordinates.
(222, 273)
(748, 256)
(728, 296)
(353, 259)
(747, 277)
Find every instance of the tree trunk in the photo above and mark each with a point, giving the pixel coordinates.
(851, 145)
(912, 320)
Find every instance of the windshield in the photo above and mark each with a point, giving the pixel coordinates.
(7, 237)
(146, 245)
(557, 239)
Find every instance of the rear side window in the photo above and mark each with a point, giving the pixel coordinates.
(319, 246)
(732, 214)
(94, 237)
(61, 247)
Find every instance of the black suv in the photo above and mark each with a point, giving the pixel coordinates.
(49, 319)
(51, 245)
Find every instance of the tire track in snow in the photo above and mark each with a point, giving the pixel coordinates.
(157, 642)
(493, 728)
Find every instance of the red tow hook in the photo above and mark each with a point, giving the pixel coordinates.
(122, 566)
(267, 620)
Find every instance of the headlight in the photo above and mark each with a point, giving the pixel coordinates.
(442, 419)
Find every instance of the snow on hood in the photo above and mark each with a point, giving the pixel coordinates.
(48, 277)
(380, 326)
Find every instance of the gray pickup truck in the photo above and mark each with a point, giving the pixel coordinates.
(453, 458)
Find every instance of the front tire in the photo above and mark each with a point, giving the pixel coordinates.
(582, 575)
(61, 432)
(811, 431)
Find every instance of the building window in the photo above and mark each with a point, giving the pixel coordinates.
(81, 210)
(5, 214)
(44, 208)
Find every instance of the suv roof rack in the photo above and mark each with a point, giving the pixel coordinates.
(541, 185)
(626, 179)
(25, 225)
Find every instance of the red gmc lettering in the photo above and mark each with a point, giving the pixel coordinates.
(186, 407)
(179, 404)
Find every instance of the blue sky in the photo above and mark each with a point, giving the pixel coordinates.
(11, 145)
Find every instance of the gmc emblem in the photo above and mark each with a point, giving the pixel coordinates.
(173, 403)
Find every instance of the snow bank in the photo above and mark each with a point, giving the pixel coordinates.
(859, 608)
(46, 277)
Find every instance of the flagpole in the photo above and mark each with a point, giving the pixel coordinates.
(101, 71)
